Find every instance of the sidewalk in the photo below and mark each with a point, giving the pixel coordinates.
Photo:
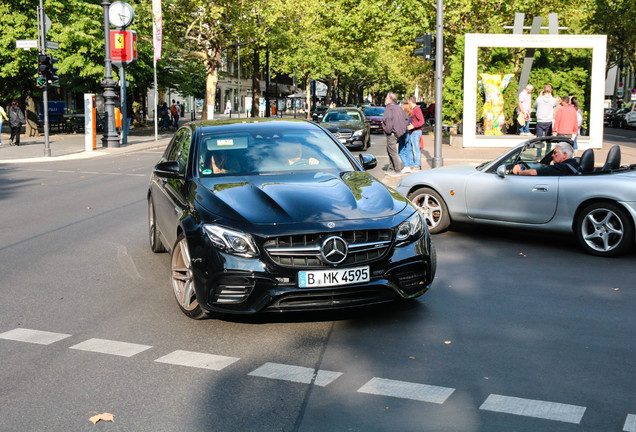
(65, 146)
(71, 146)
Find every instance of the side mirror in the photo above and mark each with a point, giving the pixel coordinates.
(501, 170)
(169, 169)
(368, 161)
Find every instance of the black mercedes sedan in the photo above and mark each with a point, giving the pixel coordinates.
(349, 126)
(277, 215)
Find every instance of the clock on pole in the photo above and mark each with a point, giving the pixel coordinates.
(121, 14)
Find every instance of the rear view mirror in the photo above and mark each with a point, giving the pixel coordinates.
(368, 161)
(169, 169)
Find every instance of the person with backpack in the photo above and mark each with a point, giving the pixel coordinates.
(16, 120)
(394, 126)
(174, 111)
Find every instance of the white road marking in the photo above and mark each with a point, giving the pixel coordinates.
(407, 390)
(534, 408)
(105, 346)
(33, 336)
(197, 360)
(630, 423)
(297, 374)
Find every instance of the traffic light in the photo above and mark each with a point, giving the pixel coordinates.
(43, 66)
(428, 46)
(51, 75)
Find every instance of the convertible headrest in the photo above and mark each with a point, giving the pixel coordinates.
(587, 162)
(613, 160)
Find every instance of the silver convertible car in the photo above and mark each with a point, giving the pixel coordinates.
(597, 203)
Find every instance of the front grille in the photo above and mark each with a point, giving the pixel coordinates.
(233, 290)
(343, 135)
(332, 299)
(303, 251)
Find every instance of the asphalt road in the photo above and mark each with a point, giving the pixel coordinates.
(519, 333)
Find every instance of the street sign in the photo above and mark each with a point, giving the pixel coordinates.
(52, 45)
(26, 44)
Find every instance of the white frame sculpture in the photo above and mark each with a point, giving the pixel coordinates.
(474, 41)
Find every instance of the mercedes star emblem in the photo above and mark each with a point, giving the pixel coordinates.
(334, 250)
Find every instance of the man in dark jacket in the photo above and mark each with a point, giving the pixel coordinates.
(394, 125)
(16, 120)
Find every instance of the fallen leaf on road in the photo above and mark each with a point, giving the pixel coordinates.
(447, 342)
(102, 417)
(522, 254)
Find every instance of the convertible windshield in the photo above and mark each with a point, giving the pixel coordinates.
(246, 154)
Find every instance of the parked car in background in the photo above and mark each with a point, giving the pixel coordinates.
(630, 117)
(349, 126)
(276, 215)
(607, 116)
(617, 120)
(318, 113)
(596, 205)
(374, 116)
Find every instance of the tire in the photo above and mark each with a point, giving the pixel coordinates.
(183, 280)
(605, 229)
(153, 233)
(433, 209)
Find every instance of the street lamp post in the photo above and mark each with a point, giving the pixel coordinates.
(110, 138)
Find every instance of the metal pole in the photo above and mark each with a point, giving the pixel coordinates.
(154, 68)
(268, 111)
(110, 138)
(438, 161)
(45, 93)
(239, 78)
(124, 106)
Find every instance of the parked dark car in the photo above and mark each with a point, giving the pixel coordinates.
(607, 116)
(374, 116)
(349, 126)
(318, 113)
(277, 215)
(617, 120)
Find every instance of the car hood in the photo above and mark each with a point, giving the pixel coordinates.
(298, 198)
(342, 126)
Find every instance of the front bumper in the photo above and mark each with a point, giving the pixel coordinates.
(229, 284)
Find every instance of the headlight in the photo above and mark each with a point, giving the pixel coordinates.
(410, 229)
(358, 132)
(234, 242)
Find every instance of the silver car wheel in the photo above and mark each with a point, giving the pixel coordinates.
(602, 230)
(433, 209)
(182, 280)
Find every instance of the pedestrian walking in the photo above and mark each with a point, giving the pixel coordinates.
(565, 121)
(523, 109)
(3, 116)
(174, 111)
(164, 113)
(574, 101)
(16, 120)
(417, 123)
(545, 104)
(394, 126)
(228, 108)
(404, 145)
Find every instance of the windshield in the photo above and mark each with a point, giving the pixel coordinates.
(341, 116)
(247, 154)
(374, 111)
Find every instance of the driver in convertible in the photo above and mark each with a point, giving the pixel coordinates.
(563, 163)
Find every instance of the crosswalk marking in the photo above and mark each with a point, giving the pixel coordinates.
(407, 390)
(630, 423)
(297, 374)
(534, 408)
(33, 336)
(197, 360)
(105, 346)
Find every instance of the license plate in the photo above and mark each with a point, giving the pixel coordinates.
(333, 277)
(343, 140)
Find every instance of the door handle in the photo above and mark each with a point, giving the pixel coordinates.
(540, 189)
